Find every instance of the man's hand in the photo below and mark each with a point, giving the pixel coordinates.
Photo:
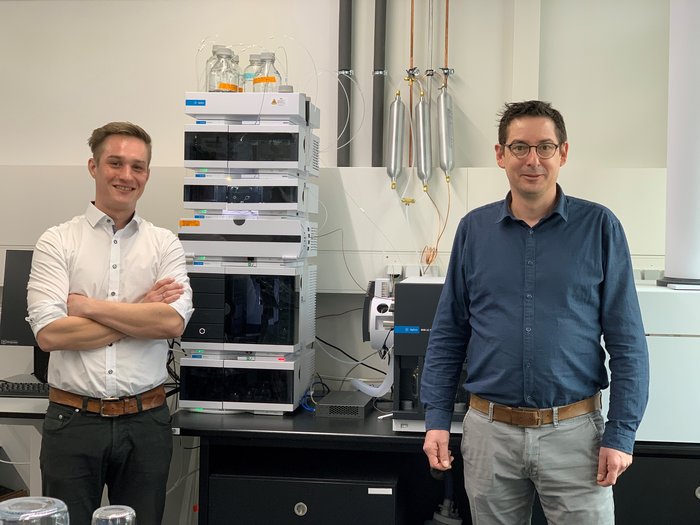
(78, 305)
(164, 291)
(435, 447)
(611, 463)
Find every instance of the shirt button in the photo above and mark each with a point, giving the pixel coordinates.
(528, 329)
(530, 263)
(529, 296)
(110, 372)
(115, 241)
(114, 266)
(108, 220)
(528, 365)
(531, 232)
(113, 294)
(528, 398)
(110, 344)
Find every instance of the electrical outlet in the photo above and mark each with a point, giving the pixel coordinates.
(413, 270)
(652, 274)
(395, 270)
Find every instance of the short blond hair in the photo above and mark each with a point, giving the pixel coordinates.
(98, 137)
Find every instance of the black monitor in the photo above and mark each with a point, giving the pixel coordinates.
(14, 329)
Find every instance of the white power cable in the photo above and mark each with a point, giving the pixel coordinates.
(326, 219)
(15, 462)
(181, 480)
(346, 378)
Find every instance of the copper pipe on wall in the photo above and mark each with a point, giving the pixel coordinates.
(410, 91)
(447, 23)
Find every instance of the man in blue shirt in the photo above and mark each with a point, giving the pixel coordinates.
(534, 281)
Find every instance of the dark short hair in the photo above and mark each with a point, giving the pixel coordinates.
(98, 137)
(530, 108)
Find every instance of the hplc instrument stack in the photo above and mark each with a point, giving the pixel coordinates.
(254, 291)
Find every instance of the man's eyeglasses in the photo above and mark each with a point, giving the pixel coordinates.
(520, 150)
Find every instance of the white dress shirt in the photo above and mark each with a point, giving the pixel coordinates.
(86, 256)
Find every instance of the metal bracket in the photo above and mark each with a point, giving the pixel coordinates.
(412, 73)
(346, 72)
(447, 71)
(380, 72)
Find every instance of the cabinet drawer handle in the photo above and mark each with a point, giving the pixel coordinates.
(300, 508)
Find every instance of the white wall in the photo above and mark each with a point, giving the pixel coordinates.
(605, 66)
(68, 66)
(71, 65)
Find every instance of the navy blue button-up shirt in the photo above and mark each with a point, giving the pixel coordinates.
(531, 304)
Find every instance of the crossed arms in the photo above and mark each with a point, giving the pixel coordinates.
(92, 323)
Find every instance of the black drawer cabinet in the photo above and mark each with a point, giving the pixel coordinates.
(280, 500)
(659, 489)
(314, 481)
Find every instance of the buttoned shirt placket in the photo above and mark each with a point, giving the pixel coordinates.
(529, 313)
(113, 295)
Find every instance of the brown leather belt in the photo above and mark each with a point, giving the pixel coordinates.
(535, 417)
(111, 406)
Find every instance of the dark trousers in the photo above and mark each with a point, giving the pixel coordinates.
(81, 452)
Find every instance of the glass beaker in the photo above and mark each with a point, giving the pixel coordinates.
(34, 510)
(114, 515)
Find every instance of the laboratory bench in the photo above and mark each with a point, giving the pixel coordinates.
(253, 466)
(305, 470)
(259, 467)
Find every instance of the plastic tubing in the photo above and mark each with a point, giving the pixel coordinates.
(347, 120)
(197, 73)
(376, 391)
(313, 63)
(413, 240)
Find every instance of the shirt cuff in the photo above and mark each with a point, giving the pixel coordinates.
(619, 439)
(436, 419)
(183, 310)
(44, 313)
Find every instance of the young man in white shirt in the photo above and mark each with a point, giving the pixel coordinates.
(106, 291)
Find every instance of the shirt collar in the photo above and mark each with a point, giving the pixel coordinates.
(562, 207)
(95, 217)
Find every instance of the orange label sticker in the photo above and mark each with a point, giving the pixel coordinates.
(189, 223)
(228, 87)
(260, 80)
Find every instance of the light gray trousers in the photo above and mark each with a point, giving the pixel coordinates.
(504, 465)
